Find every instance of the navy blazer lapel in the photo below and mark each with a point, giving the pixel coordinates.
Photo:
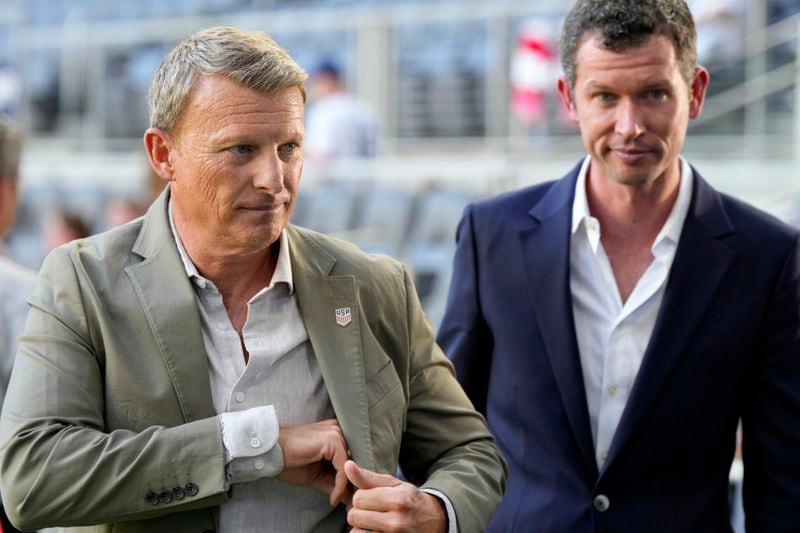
(697, 271)
(545, 239)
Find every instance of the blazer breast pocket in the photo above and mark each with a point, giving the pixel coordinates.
(387, 415)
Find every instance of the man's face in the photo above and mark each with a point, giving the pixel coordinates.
(236, 159)
(633, 108)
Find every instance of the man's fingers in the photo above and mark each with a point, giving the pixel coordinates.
(339, 487)
(398, 498)
(338, 459)
(366, 479)
(368, 520)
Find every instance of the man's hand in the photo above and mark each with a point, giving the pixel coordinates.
(314, 455)
(384, 503)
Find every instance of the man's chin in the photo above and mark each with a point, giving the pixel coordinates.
(632, 176)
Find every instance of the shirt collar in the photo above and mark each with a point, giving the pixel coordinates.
(674, 223)
(580, 204)
(283, 267)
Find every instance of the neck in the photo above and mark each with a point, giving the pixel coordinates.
(633, 210)
(237, 274)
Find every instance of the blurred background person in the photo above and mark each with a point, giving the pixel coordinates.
(122, 210)
(16, 282)
(338, 124)
(61, 227)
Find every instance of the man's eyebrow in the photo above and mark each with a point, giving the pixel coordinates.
(595, 85)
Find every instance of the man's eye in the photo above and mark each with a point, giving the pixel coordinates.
(243, 149)
(289, 148)
(605, 97)
(656, 94)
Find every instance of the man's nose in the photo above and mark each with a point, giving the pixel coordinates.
(269, 173)
(629, 120)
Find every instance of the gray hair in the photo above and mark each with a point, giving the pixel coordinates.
(251, 59)
(10, 148)
(623, 24)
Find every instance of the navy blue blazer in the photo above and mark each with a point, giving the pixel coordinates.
(726, 345)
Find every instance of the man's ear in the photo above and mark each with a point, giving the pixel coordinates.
(697, 91)
(567, 99)
(159, 147)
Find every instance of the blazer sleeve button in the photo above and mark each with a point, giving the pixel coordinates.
(191, 489)
(165, 497)
(177, 493)
(151, 497)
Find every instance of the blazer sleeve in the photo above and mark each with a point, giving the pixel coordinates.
(464, 335)
(771, 413)
(58, 463)
(446, 445)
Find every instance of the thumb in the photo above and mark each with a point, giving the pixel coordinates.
(366, 479)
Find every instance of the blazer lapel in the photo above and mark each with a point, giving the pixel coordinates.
(697, 271)
(545, 239)
(169, 304)
(337, 347)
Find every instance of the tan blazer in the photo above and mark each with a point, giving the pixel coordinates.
(110, 399)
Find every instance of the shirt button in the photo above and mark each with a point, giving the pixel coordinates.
(239, 397)
(604, 455)
(612, 390)
(601, 503)
(255, 442)
(259, 464)
(222, 325)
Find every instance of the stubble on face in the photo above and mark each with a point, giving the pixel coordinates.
(238, 159)
(633, 110)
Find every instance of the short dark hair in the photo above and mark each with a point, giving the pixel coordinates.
(623, 24)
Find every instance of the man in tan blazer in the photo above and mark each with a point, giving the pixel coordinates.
(211, 368)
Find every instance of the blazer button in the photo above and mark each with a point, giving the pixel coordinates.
(601, 503)
(165, 497)
(191, 489)
(151, 497)
(177, 493)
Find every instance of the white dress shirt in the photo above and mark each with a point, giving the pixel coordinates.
(280, 385)
(612, 336)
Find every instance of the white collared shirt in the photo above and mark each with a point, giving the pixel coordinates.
(280, 385)
(612, 336)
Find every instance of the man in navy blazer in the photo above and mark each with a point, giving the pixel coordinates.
(616, 325)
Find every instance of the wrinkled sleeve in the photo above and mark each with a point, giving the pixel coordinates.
(447, 446)
(58, 463)
(771, 433)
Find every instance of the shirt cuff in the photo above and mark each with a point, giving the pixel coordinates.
(452, 522)
(250, 444)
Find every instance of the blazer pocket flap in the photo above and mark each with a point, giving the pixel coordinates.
(381, 384)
